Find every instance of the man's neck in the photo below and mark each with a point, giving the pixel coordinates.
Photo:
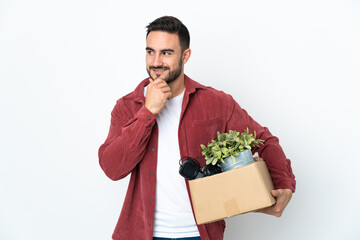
(177, 86)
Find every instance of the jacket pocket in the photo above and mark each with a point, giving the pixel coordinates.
(202, 132)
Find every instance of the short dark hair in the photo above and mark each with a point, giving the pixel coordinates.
(171, 25)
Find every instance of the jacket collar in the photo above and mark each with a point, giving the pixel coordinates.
(190, 87)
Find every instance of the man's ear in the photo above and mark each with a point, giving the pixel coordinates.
(186, 55)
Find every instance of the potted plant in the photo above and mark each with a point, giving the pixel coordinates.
(231, 150)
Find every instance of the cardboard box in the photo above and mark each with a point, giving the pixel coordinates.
(231, 193)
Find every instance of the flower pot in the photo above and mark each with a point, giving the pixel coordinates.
(243, 159)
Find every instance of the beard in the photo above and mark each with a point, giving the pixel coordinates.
(173, 75)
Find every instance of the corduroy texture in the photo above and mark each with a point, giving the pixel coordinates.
(131, 147)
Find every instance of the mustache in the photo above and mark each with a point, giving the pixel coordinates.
(153, 67)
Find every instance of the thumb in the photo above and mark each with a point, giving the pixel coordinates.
(150, 80)
(275, 193)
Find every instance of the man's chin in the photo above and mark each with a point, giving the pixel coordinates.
(156, 76)
(153, 77)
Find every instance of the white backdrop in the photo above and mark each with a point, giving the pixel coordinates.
(293, 65)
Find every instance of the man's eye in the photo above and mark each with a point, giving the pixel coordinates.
(166, 53)
(150, 52)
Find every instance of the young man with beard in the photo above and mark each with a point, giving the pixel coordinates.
(165, 118)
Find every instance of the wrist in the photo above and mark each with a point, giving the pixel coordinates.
(152, 110)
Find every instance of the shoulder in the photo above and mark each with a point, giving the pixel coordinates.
(137, 95)
(203, 91)
(213, 95)
(132, 101)
(214, 101)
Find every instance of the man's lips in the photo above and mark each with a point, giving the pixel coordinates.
(159, 71)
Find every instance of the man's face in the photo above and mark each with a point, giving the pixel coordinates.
(163, 56)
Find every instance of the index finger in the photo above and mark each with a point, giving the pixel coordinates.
(159, 80)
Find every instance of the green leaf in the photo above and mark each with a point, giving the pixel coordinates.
(233, 158)
(224, 150)
(246, 131)
(229, 144)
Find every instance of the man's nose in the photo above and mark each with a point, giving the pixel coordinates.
(157, 61)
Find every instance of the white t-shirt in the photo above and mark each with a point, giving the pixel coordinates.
(173, 214)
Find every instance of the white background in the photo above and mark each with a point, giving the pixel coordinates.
(293, 65)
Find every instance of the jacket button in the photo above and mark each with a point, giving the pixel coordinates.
(151, 199)
(149, 118)
(152, 174)
(149, 224)
(153, 149)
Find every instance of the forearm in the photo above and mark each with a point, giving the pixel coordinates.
(126, 143)
(271, 151)
(278, 164)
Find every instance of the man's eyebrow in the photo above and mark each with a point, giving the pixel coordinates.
(162, 50)
(167, 50)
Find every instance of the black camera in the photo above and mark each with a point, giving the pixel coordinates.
(190, 169)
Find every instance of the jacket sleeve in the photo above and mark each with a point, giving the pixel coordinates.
(126, 142)
(279, 166)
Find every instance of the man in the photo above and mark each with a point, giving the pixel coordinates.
(164, 119)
